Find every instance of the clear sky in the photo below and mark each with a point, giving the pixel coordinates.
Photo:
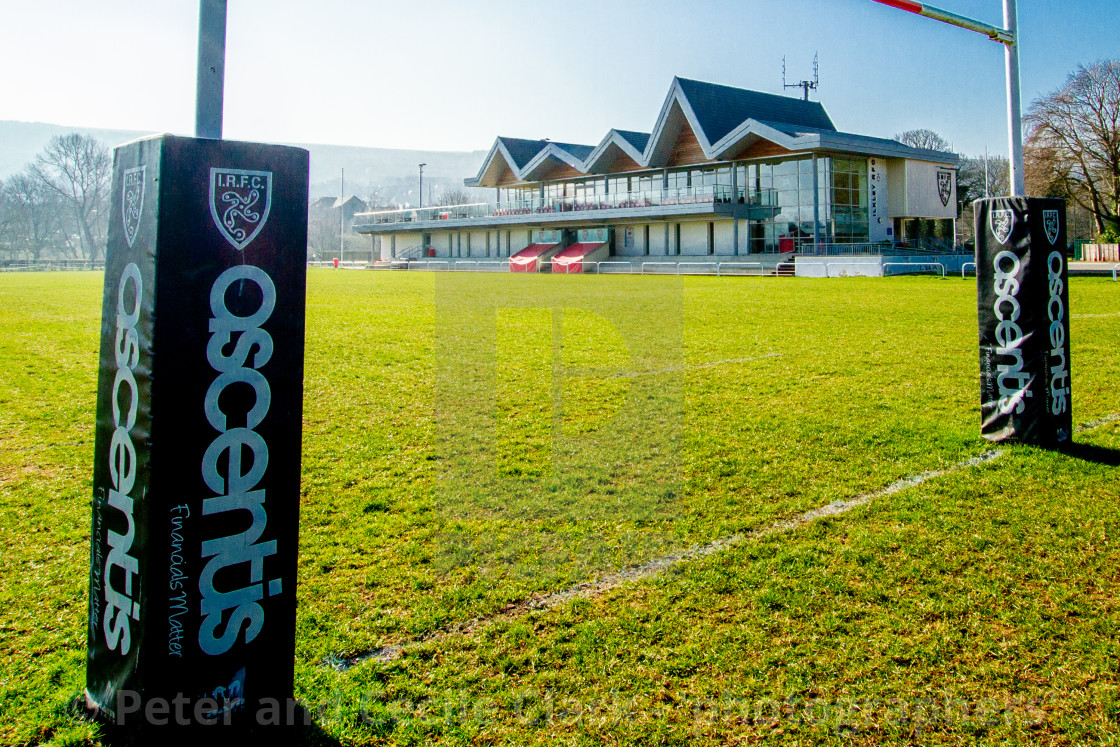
(453, 74)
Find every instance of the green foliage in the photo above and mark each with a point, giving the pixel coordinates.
(1110, 235)
(471, 441)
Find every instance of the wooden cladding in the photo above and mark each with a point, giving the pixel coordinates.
(687, 150)
(623, 163)
(561, 171)
(763, 149)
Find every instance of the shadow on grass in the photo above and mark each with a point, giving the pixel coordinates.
(1091, 453)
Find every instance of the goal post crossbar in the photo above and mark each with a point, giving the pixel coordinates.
(1008, 37)
(995, 33)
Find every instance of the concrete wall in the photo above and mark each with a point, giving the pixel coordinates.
(725, 237)
(405, 241)
(657, 234)
(912, 190)
(620, 248)
(639, 247)
(478, 244)
(896, 187)
(519, 239)
(694, 238)
(880, 226)
(872, 266)
(458, 243)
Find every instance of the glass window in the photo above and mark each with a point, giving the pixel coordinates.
(785, 168)
(786, 183)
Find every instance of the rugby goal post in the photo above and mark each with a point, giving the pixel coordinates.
(1009, 38)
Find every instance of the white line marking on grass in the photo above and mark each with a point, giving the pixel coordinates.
(1097, 423)
(1093, 316)
(657, 565)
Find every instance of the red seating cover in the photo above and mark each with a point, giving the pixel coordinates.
(570, 261)
(526, 259)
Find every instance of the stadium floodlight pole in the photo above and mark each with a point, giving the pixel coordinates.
(210, 89)
(1008, 37)
(420, 196)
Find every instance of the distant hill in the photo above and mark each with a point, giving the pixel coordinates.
(388, 171)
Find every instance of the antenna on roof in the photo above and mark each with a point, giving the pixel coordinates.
(804, 85)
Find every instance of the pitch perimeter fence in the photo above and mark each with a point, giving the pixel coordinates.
(51, 265)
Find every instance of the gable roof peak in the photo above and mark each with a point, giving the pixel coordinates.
(719, 108)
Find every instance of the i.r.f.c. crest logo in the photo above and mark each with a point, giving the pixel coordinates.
(239, 203)
(945, 186)
(1002, 221)
(132, 202)
(1051, 222)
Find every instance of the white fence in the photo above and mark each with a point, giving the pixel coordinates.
(50, 265)
(868, 268)
(966, 265)
(723, 267)
(850, 265)
(482, 265)
(353, 264)
(704, 268)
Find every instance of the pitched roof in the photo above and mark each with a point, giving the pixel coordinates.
(637, 139)
(339, 201)
(727, 122)
(579, 151)
(521, 150)
(720, 109)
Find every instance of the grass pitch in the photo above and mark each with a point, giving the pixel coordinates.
(474, 441)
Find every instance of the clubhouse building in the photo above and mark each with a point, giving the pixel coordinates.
(724, 173)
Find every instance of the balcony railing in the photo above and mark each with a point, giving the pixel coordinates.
(706, 195)
(413, 215)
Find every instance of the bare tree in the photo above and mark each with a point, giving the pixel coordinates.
(77, 168)
(975, 179)
(971, 184)
(33, 218)
(8, 219)
(1075, 140)
(373, 199)
(1044, 172)
(453, 197)
(322, 233)
(926, 139)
